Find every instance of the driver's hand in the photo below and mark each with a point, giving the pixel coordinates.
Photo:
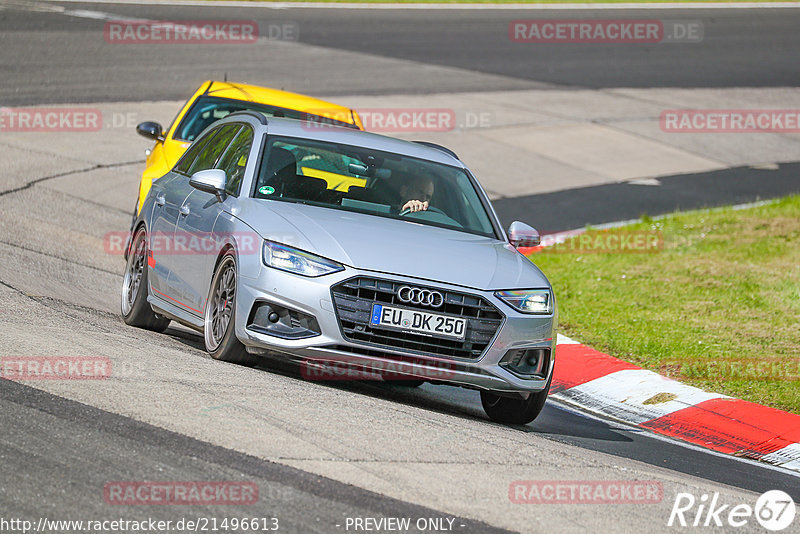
(415, 205)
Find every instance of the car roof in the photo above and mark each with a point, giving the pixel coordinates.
(359, 138)
(283, 99)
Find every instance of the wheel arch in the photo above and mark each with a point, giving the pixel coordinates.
(225, 250)
(134, 230)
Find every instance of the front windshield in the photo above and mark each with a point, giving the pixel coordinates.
(209, 109)
(371, 182)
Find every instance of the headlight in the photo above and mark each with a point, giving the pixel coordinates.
(528, 300)
(297, 261)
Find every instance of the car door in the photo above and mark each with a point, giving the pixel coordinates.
(170, 192)
(196, 244)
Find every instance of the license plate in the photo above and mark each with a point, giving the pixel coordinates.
(418, 322)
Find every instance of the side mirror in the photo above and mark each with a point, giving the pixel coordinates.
(150, 130)
(211, 181)
(522, 235)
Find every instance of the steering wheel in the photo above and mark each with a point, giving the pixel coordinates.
(430, 208)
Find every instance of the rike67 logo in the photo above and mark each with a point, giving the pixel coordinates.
(774, 511)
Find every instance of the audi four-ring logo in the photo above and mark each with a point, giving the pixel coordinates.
(424, 297)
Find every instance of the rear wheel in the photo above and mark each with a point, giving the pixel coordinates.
(514, 411)
(218, 332)
(135, 309)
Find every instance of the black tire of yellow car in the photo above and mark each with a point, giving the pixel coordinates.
(139, 313)
(514, 411)
(229, 349)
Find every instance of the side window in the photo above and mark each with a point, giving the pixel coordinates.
(213, 149)
(235, 160)
(189, 156)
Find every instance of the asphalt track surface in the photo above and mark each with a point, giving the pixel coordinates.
(740, 48)
(57, 452)
(575, 208)
(68, 435)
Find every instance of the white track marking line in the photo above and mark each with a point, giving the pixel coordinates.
(44, 7)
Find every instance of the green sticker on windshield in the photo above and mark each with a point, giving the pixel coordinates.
(266, 190)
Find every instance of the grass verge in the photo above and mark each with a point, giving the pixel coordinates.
(715, 304)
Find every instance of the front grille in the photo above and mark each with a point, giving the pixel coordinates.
(353, 300)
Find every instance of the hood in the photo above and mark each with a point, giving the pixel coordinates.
(393, 246)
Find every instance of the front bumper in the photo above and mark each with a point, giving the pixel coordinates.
(313, 296)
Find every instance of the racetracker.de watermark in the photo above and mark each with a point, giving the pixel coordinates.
(187, 243)
(353, 368)
(599, 31)
(730, 120)
(197, 31)
(67, 119)
(585, 492)
(785, 370)
(180, 493)
(55, 367)
(408, 119)
(610, 241)
(398, 119)
(64, 119)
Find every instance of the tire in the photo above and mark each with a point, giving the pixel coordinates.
(134, 306)
(220, 316)
(514, 411)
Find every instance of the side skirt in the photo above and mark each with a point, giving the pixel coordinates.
(175, 313)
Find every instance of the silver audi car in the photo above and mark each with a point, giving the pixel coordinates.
(342, 249)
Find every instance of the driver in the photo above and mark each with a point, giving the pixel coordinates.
(416, 193)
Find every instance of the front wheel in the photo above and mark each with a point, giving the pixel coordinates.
(218, 332)
(514, 411)
(135, 309)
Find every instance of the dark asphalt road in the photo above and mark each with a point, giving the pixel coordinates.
(740, 48)
(57, 455)
(576, 208)
(565, 425)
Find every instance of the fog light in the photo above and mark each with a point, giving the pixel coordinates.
(527, 362)
(283, 322)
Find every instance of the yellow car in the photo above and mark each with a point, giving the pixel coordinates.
(215, 100)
